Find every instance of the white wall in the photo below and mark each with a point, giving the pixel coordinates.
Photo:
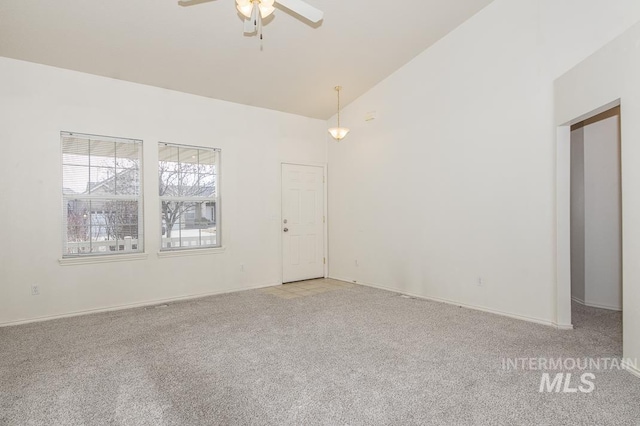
(603, 244)
(577, 215)
(610, 74)
(37, 102)
(455, 179)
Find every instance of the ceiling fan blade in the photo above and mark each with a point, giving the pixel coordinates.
(249, 26)
(303, 9)
(187, 3)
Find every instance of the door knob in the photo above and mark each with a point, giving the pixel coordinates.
(286, 229)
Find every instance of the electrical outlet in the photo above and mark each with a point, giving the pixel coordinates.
(35, 290)
(480, 282)
(241, 268)
(356, 262)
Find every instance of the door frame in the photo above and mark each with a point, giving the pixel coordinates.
(325, 211)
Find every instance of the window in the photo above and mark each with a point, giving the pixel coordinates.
(102, 196)
(188, 184)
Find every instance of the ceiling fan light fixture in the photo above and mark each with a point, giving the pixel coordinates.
(255, 11)
(265, 10)
(338, 133)
(245, 7)
(246, 10)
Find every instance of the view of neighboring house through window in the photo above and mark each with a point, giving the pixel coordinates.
(188, 184)
(102, 195)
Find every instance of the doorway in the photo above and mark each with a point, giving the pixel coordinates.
(303, 222)
(596, 224)
(596, 212)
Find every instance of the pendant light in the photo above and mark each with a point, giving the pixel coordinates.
(338, 133)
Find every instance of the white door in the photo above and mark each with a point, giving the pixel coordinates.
(302, 224)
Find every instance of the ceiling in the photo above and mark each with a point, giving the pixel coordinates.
(201, 48)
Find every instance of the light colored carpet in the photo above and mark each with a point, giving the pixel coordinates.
(352, 355)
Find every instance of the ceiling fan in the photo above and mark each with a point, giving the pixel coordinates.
(255, 11)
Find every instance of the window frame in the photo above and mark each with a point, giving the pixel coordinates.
(66, 198)
(195, 199)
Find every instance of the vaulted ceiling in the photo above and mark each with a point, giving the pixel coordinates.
(201, 48)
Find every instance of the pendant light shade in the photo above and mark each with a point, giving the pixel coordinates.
(338, 133)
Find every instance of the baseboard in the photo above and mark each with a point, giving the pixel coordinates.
(577, 300)
(596, 305)
(562, 326)
(465, 305)
(132, 305)
(631, 369)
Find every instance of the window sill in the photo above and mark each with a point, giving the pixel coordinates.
(67, 261)
(191, 252)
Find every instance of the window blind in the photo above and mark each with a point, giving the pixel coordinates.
(189, 193)
(102, 195)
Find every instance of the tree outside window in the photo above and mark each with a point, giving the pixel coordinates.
(187, 182)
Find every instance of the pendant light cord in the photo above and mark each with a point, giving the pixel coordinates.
(338, 89)
(338, 133)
